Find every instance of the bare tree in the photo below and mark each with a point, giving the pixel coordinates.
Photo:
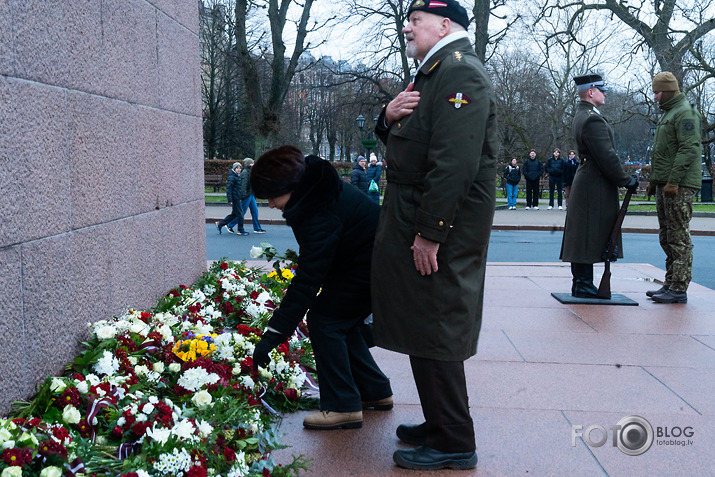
(483, 11)
(669, 29)
(266, 101)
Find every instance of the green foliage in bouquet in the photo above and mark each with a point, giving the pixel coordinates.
(170, 391)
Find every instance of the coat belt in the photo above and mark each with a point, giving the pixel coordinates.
(405, 178)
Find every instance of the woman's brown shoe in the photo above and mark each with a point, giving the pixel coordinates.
(329, 420)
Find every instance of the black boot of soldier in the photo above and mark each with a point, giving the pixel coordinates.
(583, 286)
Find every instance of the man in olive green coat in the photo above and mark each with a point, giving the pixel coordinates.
(593, 206)
(430, 249)
(674, 179)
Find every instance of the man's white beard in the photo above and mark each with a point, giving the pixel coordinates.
(410, 51)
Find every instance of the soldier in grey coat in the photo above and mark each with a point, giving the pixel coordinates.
(593, 207)
(430, 249)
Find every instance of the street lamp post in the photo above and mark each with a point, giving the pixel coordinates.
(367, 142)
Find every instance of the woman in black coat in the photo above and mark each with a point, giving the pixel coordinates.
(335, 230)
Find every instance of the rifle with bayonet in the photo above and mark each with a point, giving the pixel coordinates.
(611, 252)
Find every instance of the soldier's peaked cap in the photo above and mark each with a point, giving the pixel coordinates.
(590, 81)
(445, 8)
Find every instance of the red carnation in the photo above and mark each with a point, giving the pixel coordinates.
(229, 454)
(139, 428)
(291, 394)
(173, 292)
(245, 330)
(196, 471)
(61, 433)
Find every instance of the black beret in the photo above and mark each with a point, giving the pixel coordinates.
(444, 8)
(277, 172)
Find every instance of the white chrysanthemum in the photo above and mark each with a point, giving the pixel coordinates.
(198, 296)
(240, 467)
(160, 435)
(205, 429)
(176, 462)
(202, 328)
(141, 370)
(253, 310)
(248, 382)
(263, 297)
(184, 430)
(108, 364)
(166, 333)
(195, 378)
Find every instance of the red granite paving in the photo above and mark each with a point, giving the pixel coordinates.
(542, 367)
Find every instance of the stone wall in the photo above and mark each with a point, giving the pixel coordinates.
(101, 171)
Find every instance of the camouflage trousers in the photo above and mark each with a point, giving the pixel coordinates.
(674, 220)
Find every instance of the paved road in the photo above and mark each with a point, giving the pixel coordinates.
(505, 246)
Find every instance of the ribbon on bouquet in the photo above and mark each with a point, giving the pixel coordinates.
(74, 467)
(97, 405)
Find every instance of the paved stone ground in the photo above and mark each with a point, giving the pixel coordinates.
(543, 367)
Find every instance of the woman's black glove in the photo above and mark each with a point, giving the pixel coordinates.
(270, 340)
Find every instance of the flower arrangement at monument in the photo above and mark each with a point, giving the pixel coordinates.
(169, 392)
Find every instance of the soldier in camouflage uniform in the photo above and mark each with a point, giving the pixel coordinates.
(675, 178)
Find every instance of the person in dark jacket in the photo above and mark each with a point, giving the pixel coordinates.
(555, 167)
(533, 169)
(248, 200)
(569, 173)
(374, 171)
(358, 178)
(512, 176)
(335, 230)
(594, 202)
(233, 195)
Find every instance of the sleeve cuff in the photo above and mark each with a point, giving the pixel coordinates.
(432, 227)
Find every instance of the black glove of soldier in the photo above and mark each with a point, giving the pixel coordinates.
(270, 340)
(632, 185)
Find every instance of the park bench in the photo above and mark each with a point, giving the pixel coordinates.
(213, 180)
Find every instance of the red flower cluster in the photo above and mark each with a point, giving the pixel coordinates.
(52, 448)
(19, 456)
(69, 396)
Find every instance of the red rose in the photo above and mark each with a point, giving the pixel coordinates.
(224, 266)
(291, 394)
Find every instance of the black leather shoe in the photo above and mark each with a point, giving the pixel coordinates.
(425, 458)
(670, 296)
(413, 434)
(660, 290)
